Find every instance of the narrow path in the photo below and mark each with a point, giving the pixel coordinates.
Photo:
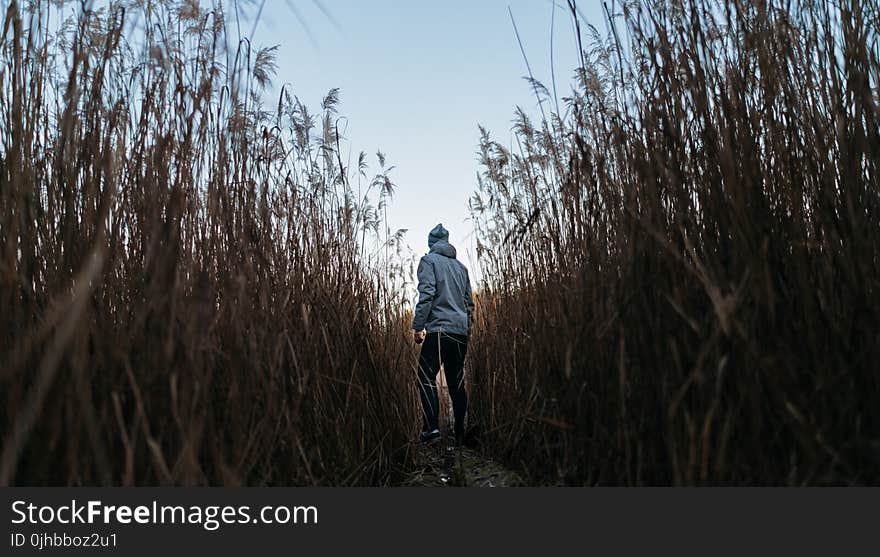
(442, 465)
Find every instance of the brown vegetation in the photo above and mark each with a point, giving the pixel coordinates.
(187, 290)
(683, 262)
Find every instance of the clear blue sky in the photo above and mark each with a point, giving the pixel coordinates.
(416, 78)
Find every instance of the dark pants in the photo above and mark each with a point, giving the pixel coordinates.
(448, 350)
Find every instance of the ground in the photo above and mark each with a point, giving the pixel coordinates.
(441, 465)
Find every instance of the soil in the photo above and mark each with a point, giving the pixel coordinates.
(442, 465)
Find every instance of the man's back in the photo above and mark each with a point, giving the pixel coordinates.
(445, 302)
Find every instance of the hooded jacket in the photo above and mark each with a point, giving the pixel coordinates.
(445, 300)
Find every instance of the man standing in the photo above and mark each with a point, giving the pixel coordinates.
(442, 320)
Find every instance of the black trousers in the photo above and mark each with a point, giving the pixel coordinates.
(448, 350)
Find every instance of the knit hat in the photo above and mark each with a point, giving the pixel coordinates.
(437, 234)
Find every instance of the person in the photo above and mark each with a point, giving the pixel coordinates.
(441, 324)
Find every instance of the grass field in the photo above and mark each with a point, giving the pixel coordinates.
(189, 287)
(680, 260)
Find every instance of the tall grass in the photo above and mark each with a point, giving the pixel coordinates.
(683, 260)
(192, 285)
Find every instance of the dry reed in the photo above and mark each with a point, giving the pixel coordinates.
(683, 262)
(188, 287)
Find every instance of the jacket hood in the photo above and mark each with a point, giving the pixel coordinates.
(438, 234)
(444, 248)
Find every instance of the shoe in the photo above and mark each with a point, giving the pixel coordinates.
(428, 436)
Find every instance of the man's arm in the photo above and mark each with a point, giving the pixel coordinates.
(468, 300)
(427, 290)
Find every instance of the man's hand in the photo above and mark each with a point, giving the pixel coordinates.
(419, 336)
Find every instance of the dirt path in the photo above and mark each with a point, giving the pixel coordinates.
(441, 465)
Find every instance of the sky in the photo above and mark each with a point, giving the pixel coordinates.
(416, 78)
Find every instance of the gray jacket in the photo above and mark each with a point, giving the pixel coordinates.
(445, 300)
